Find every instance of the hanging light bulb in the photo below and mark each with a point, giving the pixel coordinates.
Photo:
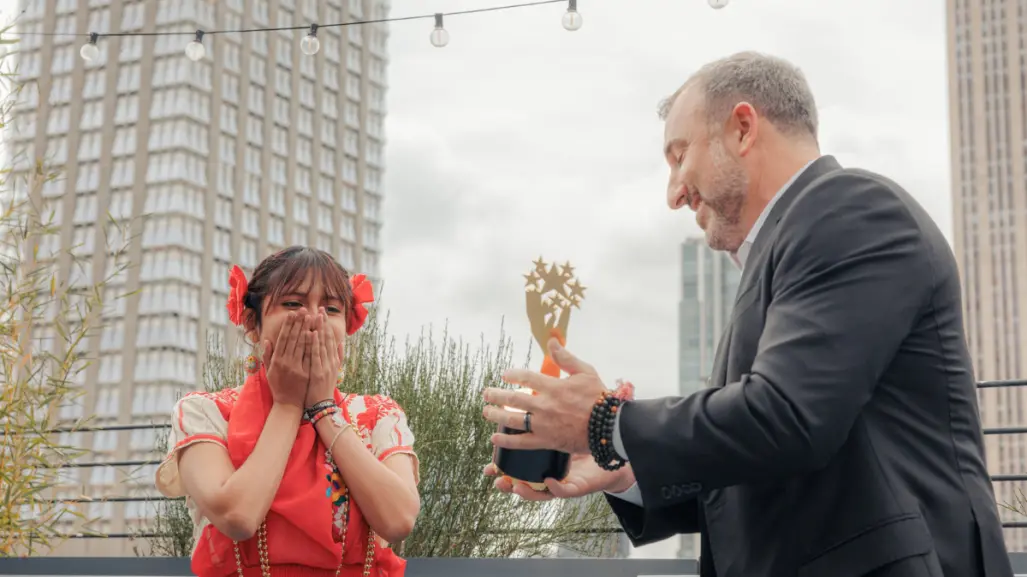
(89, 50)
(310, 44)
(718, 4)
(439, 36)
(572, 18)
(194, 50)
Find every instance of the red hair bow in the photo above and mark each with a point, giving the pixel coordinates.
(236, 294)
(362, 293)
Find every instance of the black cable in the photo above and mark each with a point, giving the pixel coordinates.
(287, 28)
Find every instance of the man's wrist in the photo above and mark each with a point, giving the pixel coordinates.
(625, 479)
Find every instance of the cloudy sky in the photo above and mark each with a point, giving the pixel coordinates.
(521, 139)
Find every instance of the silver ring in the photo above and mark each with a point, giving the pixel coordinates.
(527, 422)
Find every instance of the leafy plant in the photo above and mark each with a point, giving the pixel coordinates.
(46, 324)
(439, 382)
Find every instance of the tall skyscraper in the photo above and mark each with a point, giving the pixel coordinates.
(709, 284)
(988, 124)
(221, 161)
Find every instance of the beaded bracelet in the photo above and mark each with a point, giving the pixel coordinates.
(329, 458)
(322, 414)
(318, 407)
(600, 432)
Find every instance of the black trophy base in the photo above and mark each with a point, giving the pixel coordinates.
(530, 466)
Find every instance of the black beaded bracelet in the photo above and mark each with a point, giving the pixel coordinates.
(600, 432)
(317, 408)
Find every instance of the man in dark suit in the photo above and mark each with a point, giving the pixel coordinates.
(840, 435)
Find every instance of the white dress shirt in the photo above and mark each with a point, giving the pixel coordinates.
(633, 494)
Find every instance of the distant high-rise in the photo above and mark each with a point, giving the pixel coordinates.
(988, 124)
(255, 147)
(709, 283)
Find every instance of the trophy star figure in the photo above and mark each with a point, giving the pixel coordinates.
(555, 415)
(531, 281)
(540, 266)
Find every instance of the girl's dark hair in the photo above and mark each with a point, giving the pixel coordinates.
(284, 271)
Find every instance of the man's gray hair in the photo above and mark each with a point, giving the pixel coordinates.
(776, 88)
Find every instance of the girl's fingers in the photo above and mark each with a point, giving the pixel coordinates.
(305, 327)
(329, 333)
(316, 360)
(282, 344)
(294, 338)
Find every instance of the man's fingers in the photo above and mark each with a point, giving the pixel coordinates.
(510, 419)
(507, 485)
(562, 490)
(510, 398)
(531, 379)
(519, 441)
(528, 494)
(569, 363)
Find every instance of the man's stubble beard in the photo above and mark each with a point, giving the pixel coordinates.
(725, 199)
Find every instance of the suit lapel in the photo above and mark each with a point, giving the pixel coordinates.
(754, 262)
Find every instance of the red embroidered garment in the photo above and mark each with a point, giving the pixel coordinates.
(305, 522)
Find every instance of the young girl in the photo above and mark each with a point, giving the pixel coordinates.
(285, 475)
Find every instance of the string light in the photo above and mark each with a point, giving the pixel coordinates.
(194, 50)
(571, 18)
(310, 44)
(89, 50)
(439, 37)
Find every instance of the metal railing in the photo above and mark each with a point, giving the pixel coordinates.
(984, 385)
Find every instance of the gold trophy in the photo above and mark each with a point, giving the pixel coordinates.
(550, 292)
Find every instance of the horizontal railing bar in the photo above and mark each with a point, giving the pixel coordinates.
(143, 426)
(1006, 431)
(1005, 478)
(610, 531)
(87, 464)
(1002, 384)
(158, 498)
(96, 429)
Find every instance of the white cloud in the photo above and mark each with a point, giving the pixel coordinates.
(520, 139)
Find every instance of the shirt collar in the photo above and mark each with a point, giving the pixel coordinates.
(742, 254)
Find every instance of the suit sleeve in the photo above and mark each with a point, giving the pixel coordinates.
(852, 274)
(644, 525)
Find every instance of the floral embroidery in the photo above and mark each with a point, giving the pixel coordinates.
(366, 413)
(224, 399)
(338, 494)
(377, 406)
(336, 491)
